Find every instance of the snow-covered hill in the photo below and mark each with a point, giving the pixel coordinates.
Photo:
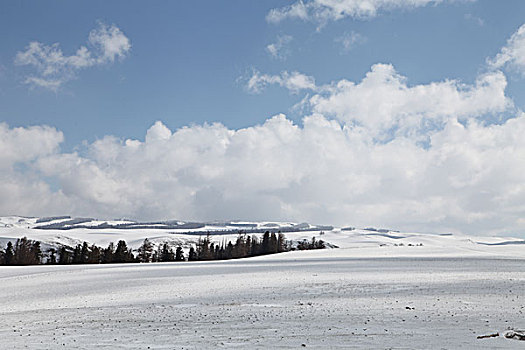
(372, 242)
(380, 289)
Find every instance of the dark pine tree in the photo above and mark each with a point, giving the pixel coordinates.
(192, 255)
(107, 255)
(166, 253)
(273, 246)
(179, 254)
(145, 251)
(24, 253)
(228, 253)
(84, 253)
(281, 243)
(77, 254)
(64, 256)
(52, 260)
(9, 257)
(94, 255)
(121, 253)
(255, 250)
(249, 246)
(265, 245)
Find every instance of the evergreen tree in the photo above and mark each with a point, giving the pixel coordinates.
(217, 253)
(203, 248)
(25, 253)
(145, 251)
(36, 253)
(121, 253)
(94, 255)
(64, 256)
(265, 245)
(107, 255)
(273, 245)
(249, 246)
(192, 255)
(212, 251)
(281, 243)
(228, 253)
(77, 254)
(239, 249)
(84, 253)
(179, 254)
(166, 253)
(9, 256)
(255, 250)
(52, 260)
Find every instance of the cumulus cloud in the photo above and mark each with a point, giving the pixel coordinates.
(53, 68)
(469, 178)
(279, 49)
(322, 11)
(293, 81)
(512, 55)
(22, 188)
(384, 102)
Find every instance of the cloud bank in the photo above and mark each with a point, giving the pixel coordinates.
(337, 167)
(51, 68)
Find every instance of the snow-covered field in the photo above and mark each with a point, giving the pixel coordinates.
(379, 290)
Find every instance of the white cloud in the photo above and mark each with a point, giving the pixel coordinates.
(26, 144)
(23, 190)
(322, 11)
(350, 40)
(470, 177)
(512, 55)
(279, 49)
(53, 68)
(293, 81)
(383, 101)
(110, 42)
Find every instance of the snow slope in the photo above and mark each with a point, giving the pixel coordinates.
(281, 301)
(380, 290)
(363, 242)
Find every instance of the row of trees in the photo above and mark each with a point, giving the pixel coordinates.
(244, 246)
(313, 244)
(29, 252)
(24, 252)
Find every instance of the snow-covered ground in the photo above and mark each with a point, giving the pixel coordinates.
(365, 242)
(379, 290)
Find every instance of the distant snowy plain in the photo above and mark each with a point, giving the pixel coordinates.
(379, 290)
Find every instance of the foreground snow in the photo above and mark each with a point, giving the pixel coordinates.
(380, 289)
(322, 299)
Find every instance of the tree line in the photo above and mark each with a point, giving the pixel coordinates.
(29, 252)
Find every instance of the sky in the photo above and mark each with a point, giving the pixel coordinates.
(404, 114)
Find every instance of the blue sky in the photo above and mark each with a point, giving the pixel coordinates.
(363, 112)
(187, 58)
